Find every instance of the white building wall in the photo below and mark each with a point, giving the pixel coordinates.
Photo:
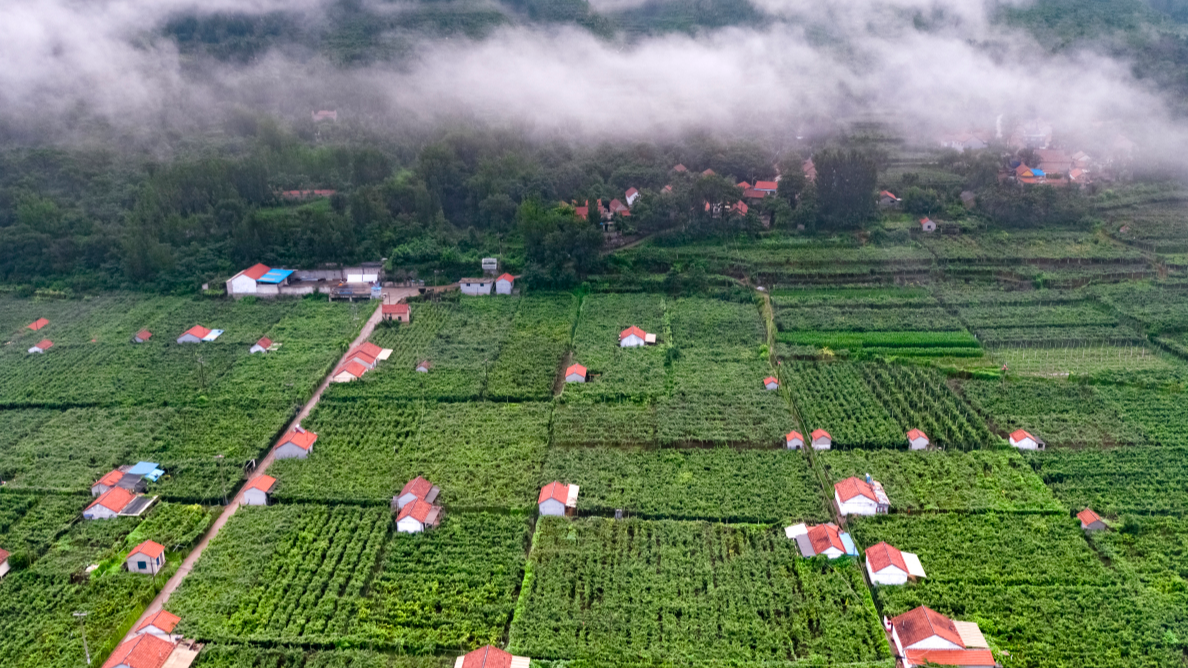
(919, 443)
(934, 642)
(151, 566)
(575, 378)
(795, 443)
(241, 285)
(4, 568)
(552, 507)
(188, 338)
(409, 525)
(290, 451)
(503, 287)
(631, 341)
(822, 443)
(1025, 444)
(255, 497)
(476, 289)
(99, 513)
(859, 505)
(888, 576)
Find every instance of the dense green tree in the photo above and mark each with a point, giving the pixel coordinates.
(845, 187)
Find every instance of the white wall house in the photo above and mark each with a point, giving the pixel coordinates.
(923, 636)
(632, 337)
(1025, 441)
(476, 287)
(888, 566)
(195, 334)
(855, 496)
(927, 225)
(244, 283)
(576, 373)
(160, 624)
(147, 558)
(297, 444)
(256, 492)
(417, 516)
(557, 499)
(826, 539)
(424, 366)
(41, 346)
(771, 383)
(1091, 521)
(917, 440)
(821, 439)
(261, 346)
(3, 562)
(794, 440)
(109, 504)
(504, 284)
(348, 372)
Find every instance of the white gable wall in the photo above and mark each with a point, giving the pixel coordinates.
(631, 341)
(3, 568)
(552, 507)
(291, 451)
(795, 443)
(1025, 444)
(575, 378)
(241, 285)
(919, 443)
(891, 575)
(255, 497)
(409, 525)
(859, 505)
(476, 289)
(141, 563)
(503, 287)
(822, 443)
(99, 513)
(188, 338)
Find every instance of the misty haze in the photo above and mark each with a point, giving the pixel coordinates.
(594, 333)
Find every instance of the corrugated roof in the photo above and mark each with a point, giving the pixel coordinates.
(793, 434)
(275, 276)
(632, 331)
(971, 635)
(198, 331)
(110, 478)
(38, 324)
(264, 342)
(576, 368)
(353, 368)
(368, 348)
(818, 433)
(825, 536)
(916, 433)
(418, 487)
(1088, 517)
(418, 510)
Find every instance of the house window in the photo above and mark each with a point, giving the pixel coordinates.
(142, 565)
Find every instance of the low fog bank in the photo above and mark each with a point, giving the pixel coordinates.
(75, 71)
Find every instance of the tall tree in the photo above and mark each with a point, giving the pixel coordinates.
(845, 184)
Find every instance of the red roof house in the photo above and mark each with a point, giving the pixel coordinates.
(680, 168)
(794, 440)
(767, 186)
(576, 373)
(149, 549)
(256, 492)
(142, 336)
(38, 324)
(162, 621)
(262, 345)
(632, 337)
(490, 657)
(771, 383)
(417, 516)
(557, 498)
(41, 346)
(1090, 521)
(109, 504)
(143, 651)
(709, 172)
(399, 312)
(853, 487)
(297, 444)
(917, 626)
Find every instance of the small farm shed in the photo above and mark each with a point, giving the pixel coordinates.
(887, 199)
(256, 492)
(917, 440)
(826, 539)
(3, 562)
(360, 356)
(771, 383)
(297, 444)
(476, 287)
(195, 334)
(927, 225)
(160, 624)
(504, 284)
(109, 504)
(417, 516)
(924, 636)
(417, 489)
(423, 366)
(397, 312)
(348, 372)
(143, 651)
(769, 187)
(109, 480)
(888, 566)
(41, 346)
(37, 324)
(1025, 441)
(821, 439)
(855, 496)
(1091, 521)
(490, 657)
(142, 336)
(244, 283)
(631, 195)
(794, 440)
(576, 373)
(557, 499)
(148, 557)
(261, 346)
(632, 337)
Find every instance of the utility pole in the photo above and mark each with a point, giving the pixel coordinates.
(83, 624)
(222, 481)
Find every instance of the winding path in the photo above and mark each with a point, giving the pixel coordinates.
(394, 295)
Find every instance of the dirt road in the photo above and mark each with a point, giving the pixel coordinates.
(392, 296)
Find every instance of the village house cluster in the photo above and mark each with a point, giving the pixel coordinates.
(155, 645)
(120, 492)
(358, 361)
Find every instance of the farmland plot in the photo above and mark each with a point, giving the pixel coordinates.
(1063, 414)
(1085, 360)
(835, 397)
(528, 361)
(919, 398)
(711, 484)
(612, 424)
(1142, 480)
(718, 398)
(953, 481)
(1152, 549)
(1046, 627)
(634, 374)
(589, 577)
(291, 573)
(29, 523)
(990, 548)
(449, 589)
